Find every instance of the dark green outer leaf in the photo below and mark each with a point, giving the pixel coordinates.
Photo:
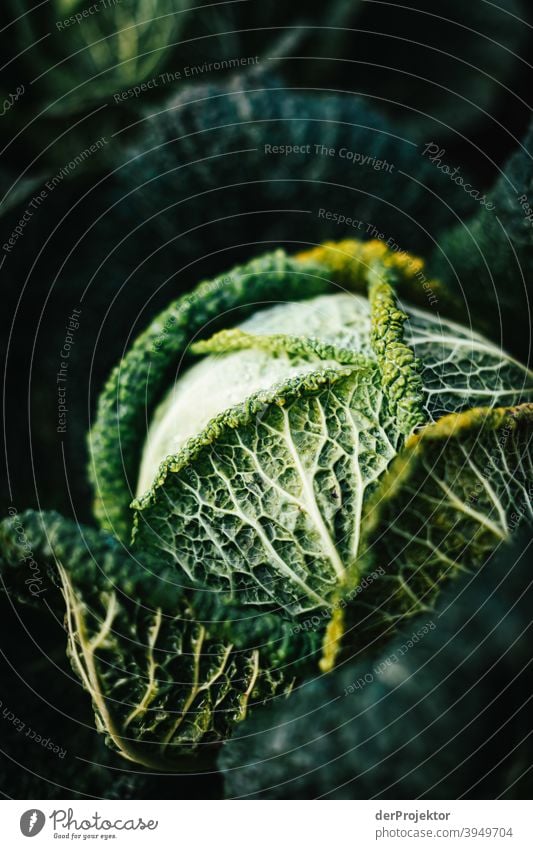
(164, 684)
(145, 373)
(441, 711)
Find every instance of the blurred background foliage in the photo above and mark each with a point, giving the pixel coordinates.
(181, 188)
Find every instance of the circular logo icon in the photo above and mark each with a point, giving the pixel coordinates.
(32, 822)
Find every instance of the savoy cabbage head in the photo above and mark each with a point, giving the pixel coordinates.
(288, 464)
